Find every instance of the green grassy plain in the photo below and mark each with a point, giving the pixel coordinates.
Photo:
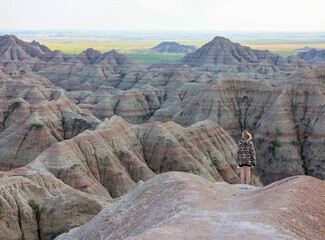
(77, 46)
(128, 48)
(151, 58)
(283, 47)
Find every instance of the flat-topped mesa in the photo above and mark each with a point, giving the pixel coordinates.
(118, 154)
(173, 47)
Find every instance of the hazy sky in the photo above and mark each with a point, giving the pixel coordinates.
(186, 15)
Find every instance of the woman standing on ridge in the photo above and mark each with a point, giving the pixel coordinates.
(245, 157)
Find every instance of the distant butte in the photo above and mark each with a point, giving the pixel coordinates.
(173, 47)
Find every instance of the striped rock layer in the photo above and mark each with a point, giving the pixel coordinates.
(34, 115)
(235, 86)
(313, 56)
(14, 49)
(286, 122)
(110, 160)
(236, 105)
(36, 204)
(281, 101)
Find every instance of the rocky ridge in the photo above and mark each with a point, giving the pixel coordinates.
(313, 56)
(184, 206)
(14, 49)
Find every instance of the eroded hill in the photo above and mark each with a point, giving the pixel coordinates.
(183, 206)
(280, 100)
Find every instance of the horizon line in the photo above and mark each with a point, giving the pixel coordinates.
(144, 30)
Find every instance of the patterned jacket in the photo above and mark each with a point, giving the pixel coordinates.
(245, 153)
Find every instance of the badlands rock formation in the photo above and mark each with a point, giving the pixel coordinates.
(66, 160)
(11, 48)
(286, 122)
(34, 115)
(14, 49)
(221, 51)
(173, 47)
(313, 56)
(36, 205)
(184, 206)
(293, 142)
(235, 86)
(109, 161)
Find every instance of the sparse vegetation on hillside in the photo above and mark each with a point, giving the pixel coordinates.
(74, 165)
(34, 206)
(148, 59)
(274, 144)
(147, 97)
(15, 105)
(122, 75)
(38, 125)
(259, 142)
(79, 122)
(53, 233)
(1, 212)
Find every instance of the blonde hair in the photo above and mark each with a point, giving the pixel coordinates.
(246, 135)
